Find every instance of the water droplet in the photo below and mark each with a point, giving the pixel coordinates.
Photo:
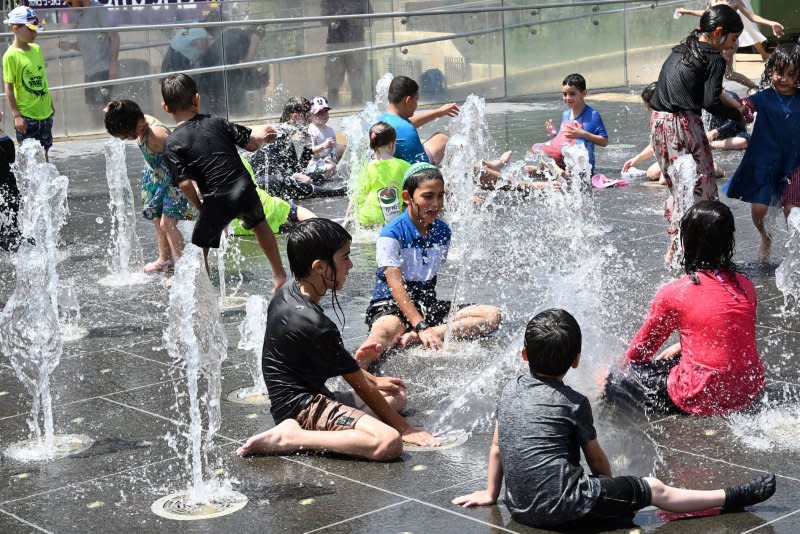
(252, 416)
(95, 504)
(710, 432)
(99, 220)
(77, 420)
(22, 476)
(105, 371)
(306, 502)
(419, 467)
(3, 393)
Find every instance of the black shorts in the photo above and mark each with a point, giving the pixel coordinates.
(97, 96)
(620, 498)
(643, 384)
(434, 311)
(240, 202)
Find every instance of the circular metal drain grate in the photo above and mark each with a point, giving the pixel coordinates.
(179, 506)
(36, 450)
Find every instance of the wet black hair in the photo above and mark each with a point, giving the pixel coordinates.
(296, 104)
(411, 183)
(381, 134)
(122, 117)
(401, 87)
(178, 92)
(718, 16)
(785, 56)
(647, 92)
(575, 80)
(707, 230)
(314, 239)
(317, 239)
(552, 341)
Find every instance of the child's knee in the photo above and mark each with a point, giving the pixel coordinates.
(389, 445)
(657, 488)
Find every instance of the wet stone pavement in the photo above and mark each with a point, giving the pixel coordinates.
(119, 386)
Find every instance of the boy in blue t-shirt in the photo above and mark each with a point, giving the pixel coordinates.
(401, 115)
(580, 123)
(542, 427)
(410, 250)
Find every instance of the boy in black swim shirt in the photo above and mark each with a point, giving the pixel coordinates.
(202, 149)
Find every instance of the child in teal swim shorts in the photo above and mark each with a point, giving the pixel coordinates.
(163, 203)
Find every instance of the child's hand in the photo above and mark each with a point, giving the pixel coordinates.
(777, 29)
(628, 164)
(448, 110)
(329, 143)
(390, 384)
(430, 340)
(548, 126)
(420, 437)
(270, 134)
(20, 125)
(573, 131)
(670, 352)
(279, 281)
(478, 498)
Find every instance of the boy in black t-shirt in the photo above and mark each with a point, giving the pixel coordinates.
(542, 426)
(303, 348)
(202, 149)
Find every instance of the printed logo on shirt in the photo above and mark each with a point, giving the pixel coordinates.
(387, 198)
(33, 83)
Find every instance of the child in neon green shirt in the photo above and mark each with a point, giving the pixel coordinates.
(25, 80)
(377, 197)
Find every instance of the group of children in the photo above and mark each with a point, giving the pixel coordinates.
(196, 170)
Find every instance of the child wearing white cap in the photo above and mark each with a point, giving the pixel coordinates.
(323, 139)
(25, 79)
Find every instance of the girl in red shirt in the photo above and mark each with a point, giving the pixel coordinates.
(714, 368)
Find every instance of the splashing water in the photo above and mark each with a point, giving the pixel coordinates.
(69, 310)
(769, 429)
(252, 331)
(30, 334)
(356, 130)
(683, 183)
(787, 276)
(232, 301)
(275, 101)
(124, 249)
(195, 338)
(556, 256)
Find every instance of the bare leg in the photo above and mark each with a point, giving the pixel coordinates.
(654, 173)
(497, 164)
(674, 499)
(205, 260)
(266, 240)
(162, 242)
(734, 76)
(473, 321)
(386, 331)
(370, 439)
(435, 146)
(758, 212)
(169, 227)
(732, 143)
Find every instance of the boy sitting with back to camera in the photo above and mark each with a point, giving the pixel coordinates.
(542, 426)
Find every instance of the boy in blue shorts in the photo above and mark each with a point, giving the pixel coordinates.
(25, 80)
(542, 427)
(202, 149)
(410, 250)
(580, 123)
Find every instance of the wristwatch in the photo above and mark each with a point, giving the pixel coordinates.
(422, 325)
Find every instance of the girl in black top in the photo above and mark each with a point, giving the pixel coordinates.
(691, 80)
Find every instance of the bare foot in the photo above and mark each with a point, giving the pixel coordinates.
(764, 248)
(409, 338)
(275, 440)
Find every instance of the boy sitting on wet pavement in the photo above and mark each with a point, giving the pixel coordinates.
(542, 426)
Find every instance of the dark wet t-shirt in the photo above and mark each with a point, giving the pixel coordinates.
(302, 349)
(203, 149)
(542, 425)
